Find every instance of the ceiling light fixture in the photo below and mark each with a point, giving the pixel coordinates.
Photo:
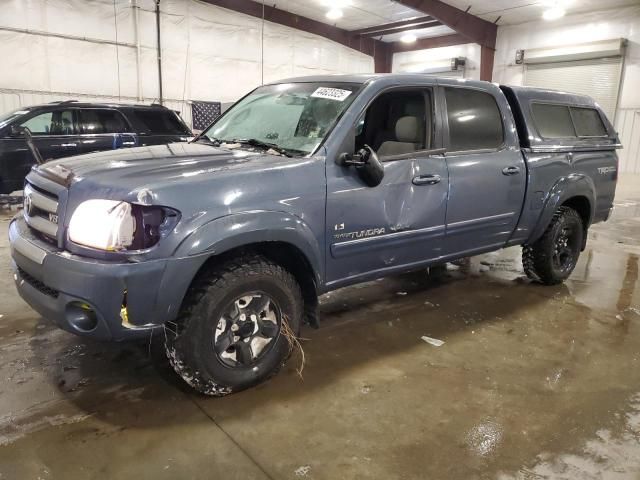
(553, 13)
(334, 14)
(408, 38)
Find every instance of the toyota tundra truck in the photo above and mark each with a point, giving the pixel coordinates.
(304, 186)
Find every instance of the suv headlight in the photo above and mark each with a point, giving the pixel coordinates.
(114, 225)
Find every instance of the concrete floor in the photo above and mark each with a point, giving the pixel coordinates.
(531, 382)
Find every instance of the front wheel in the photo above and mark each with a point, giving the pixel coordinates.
(236, 326)
(552, 258)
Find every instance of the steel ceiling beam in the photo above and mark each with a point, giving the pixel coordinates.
(282, 17)
(474, 28)
(396, 27)
(431, 42)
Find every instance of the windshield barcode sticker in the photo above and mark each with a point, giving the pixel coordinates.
(331, 93)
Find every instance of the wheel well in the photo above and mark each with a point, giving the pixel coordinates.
(582, 206)
(289, 257)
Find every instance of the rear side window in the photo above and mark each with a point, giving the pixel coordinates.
(588, 122)
(102, 121)
(553, 121)
(474, 118)
(163, 122)
(59, 122)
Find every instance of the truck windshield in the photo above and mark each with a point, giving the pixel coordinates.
(291, 118)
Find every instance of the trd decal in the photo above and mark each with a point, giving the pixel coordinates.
(605, 170)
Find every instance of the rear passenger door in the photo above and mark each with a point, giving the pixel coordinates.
(487, 173)
(104, 129)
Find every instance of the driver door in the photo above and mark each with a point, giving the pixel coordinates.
(400, 223)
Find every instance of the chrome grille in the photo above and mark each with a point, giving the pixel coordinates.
(41, 211)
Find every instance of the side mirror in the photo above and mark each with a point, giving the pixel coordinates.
(367, 165)
(16, 131)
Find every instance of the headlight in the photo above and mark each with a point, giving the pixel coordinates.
(103, 224)
(114, 225)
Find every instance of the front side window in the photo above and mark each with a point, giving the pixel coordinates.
(474, 119)
(294, 117)
(102, 121)
(553, 121)
(58, 122)
(397, 122)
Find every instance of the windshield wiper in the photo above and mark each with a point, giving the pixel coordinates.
(254, 142)
(211, 141)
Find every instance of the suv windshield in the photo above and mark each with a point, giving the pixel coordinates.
(290, 117)
(8, 117)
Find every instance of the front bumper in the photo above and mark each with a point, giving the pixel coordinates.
(60, 286)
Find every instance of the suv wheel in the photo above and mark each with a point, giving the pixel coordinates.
(234, 329)
(552, 258)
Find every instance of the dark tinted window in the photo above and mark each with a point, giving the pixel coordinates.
(588, 122)
(58, 122)
(159, 121)
(102, 121)
(474, 120)
(553, 121)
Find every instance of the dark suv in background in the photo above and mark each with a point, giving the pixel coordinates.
(62, 129)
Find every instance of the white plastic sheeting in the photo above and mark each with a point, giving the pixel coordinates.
(95, 50)
(421, 60)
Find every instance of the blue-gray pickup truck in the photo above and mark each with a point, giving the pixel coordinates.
(304, 186)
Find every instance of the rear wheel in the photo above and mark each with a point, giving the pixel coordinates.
(552, 258)
(234, 330)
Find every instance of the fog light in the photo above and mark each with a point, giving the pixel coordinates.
(81, 316)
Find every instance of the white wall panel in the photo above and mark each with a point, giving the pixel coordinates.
(424, 59)
(628, 126)
(208, 53)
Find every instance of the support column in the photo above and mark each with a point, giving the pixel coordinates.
(486, 63)
(382, 57)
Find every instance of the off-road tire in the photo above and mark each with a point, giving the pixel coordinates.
(189, 344)
(537, 258)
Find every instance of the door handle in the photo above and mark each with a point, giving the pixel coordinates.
(68, 144)
(511, 170)
(569, 157)
(426, 179)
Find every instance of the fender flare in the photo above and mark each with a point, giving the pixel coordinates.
(226, 233)
(574, 185)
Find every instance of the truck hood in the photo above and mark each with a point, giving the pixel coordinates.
(155, 166)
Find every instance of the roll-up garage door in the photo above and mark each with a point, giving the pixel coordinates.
(599, 78)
